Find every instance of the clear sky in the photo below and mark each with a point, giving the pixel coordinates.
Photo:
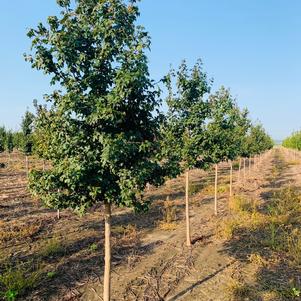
(253, 47)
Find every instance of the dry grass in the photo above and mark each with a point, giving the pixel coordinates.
(167, 226)
(17, 231)
(276, 228)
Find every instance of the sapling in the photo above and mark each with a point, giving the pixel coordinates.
(224, 132)
(183, 131)
(103, 124)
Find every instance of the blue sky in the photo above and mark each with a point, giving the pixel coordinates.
(253, 47)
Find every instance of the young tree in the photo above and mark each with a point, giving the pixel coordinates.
(185, 125)
(27, 130)
(103, 126)
(9, 145)
(242, 124)
(2, 139)
(223, 134)
(18, 140)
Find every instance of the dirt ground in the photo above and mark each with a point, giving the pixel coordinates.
(150, 259)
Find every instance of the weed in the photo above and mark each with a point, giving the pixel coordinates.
(194, 188)
(169, 212)
(51, 274)
(93, 247)
(294, 246)
(15, 280)
(238, 291)
(257, 259)
(227, 228)
(52, 247)
(167, 226)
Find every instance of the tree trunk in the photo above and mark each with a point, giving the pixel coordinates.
(244, 169)
(107, 272)
(239, 170)
(215, 191)
(231, 178)
(26, 164)
(9, 160)
(58, 214)
(188, 238)
(44, 167)
(249, 165)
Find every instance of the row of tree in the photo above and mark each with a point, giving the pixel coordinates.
(21, 140)
(293, 141)
(104, 133)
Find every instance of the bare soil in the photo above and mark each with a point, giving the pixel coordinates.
(150, 262)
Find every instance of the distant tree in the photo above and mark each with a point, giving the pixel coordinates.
(18, 139)
(10, 142)
(185, 124)
(27, 131)
(259, 140)
(223, 133)
(2, 139)
(9, 145)
(102, 129)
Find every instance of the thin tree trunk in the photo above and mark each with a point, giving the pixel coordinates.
(58, 214)
(44, 167)
(231, 177)
(244, 169)
(249, 165)
(26, 164)
(188, 238)
(107, 271)
(215, 191)
(239, 170)
(9, 160)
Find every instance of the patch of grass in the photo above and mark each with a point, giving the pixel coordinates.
(169, 212)
(286, 201)
(294, 246)
(293, 162)
(52, 247)
(167, 226)
(240, 203)
(239, 291)
(93, 247)
(10, 231)
(16, 280)
(51, 274)
(195, 188)
(257, 259)
(124, 230)
(227, 228)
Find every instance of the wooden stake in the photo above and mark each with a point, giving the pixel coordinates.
(239, 170)
(215, 191)
(231, 177)
(244, 170)
(107, 271)
(26, 164)
(188, 237)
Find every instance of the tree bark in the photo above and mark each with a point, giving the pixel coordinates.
(231, 177)
(107, 271)
(215, 191)
(188, 237)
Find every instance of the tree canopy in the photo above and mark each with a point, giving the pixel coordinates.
(102, 125)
